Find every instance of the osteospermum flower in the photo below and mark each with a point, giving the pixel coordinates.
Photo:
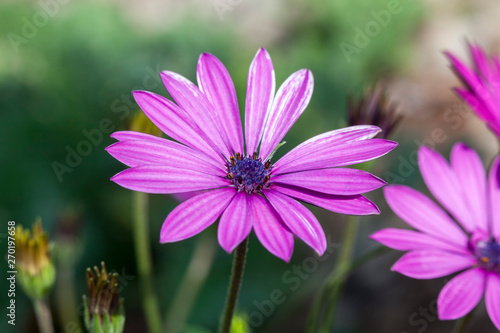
(239, 181)
(482, 85)
(441, 246)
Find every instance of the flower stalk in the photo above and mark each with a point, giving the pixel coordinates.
(234, 285)
(43, 315)
(144, 262)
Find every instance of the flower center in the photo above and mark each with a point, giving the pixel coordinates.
(248, 173)
(488, 254)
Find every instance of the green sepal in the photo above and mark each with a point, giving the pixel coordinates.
(37, 286)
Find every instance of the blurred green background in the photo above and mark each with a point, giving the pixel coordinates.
(67, 66)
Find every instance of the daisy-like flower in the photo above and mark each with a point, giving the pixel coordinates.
(442, 246)
(482, 85)
(239, 181)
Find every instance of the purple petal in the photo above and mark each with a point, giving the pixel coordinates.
(459, 296)
(476, 104)
(216, 83)
(444, 185)
(494, 187)
(336, 156)
(481, 62)
(351, 205)
(132, 135)
(270, 230)
(470, 171)
(299, 220)
(167, 179)
(168, 153)
(473, 83)
(339, 181)
(492, 298)
(260, 91)
(235, 223)
(195, 215)
(408, 240)
(198, 107)
(173, 121)
(423, 214)
(291, 100)
(328, 140)
(430, 264)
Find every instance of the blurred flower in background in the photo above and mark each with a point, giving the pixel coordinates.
(482, 85)
(440, 247)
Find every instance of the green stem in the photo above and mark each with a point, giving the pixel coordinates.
(326, 289)
(196, 274)
(144, 262)
(463, 323)
(43, 315)
(65, 297)
(234, 285)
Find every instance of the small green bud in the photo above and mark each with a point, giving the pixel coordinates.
(36, 272)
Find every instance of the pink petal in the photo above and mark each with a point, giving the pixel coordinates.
(141, 152)
(260, 91)
(430, 264)
(423, 214)
(167, 179)
(299, 220)
(338, 181)
(494, 188)
(328, 140)
(351, 205)
(475, 104)
(132, 135)
(473, 82)
(492, 298)
(173, 121)
(407, 240)
(270, 229)
(341, 155)
(216, 83)
(291, 100)
(444, 185)
(195, 215)
(198, 107)
(470, 171)
(235, 223)
(461, 294)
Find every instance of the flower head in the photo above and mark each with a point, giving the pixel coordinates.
(33, 260)
(374, 108)
(442, 246)
(241, 183)
(103, 308)
(482, 85)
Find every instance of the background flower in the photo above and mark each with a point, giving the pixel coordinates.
(482, 85)
(441, 246)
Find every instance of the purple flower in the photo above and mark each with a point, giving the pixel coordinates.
(441, 246)
(482, 85)
(246, 190)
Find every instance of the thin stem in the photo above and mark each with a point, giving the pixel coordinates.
(196, 274)
(234, 285)
(335, 284)
(463, 323)
(65, 297)
(326, 288)
(43, 315)
(144, 262)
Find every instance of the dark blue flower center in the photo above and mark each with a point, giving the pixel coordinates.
(488, 254)
(248, 174)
